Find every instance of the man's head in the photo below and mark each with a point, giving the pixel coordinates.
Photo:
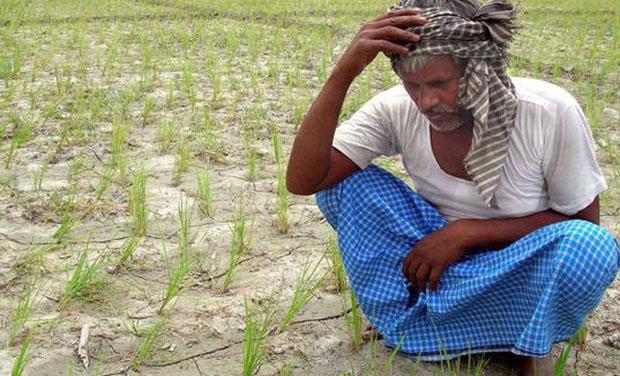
(432, 81)
(480, 35)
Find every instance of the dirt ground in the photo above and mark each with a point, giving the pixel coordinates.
(203, 333)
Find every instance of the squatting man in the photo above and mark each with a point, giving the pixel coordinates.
(499, 247)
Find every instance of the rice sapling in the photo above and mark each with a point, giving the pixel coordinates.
(183, 259)
(309, 281)
(336, 267)
(205, 196)
(355, 322)
(283, 194)
(147, 110)
(21, 313)
(239, 243)
(144, 351)
(137, 204)
(127, 251)
(22, 358)
(166, 135)
(259, 318)
(181, 162)
(84, 284)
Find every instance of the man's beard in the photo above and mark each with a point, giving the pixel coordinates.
(459, 117)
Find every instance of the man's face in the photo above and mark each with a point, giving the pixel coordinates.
(434, 89)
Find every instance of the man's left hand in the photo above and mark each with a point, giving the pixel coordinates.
(431, 255)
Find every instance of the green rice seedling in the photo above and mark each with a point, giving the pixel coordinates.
(166, 134)
(105, 181)
(145, 349)
(170, 88)
(283, 194)
(67, 223)
(183, 262)
(84, 284)
(21, 313)
(119, 134)
(205, 196)
(147, 110)
(181, 163)
(259, 318)
(121, 169)
(355, 322)
(32, 261)
(37, 176)
(22, 358)
(252, 162)
(336, 267)
(137, 204)
(389, 363)
(127, 251)
(22, 133)
(239, 244)
(309, 282)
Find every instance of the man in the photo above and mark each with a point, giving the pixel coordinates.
(499, 249)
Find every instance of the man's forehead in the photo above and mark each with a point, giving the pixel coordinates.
(437, 68)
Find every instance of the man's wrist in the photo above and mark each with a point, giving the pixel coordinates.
(466, 233)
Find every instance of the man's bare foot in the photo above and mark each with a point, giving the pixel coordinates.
(370, 334)
(531, 366)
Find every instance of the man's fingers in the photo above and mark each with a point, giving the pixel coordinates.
(392, 33)
(396, 13)
(400, 22)
(389, 47)
(421, 276)
(411, 271)
(433, 280)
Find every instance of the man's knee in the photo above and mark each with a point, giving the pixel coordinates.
(588, 249)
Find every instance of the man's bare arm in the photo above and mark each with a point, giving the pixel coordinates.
(499, 233)
(312, 166)
(431, 255)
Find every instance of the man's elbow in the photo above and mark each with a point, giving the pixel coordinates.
(297, 187)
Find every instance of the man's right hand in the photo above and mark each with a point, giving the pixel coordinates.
(383, 34)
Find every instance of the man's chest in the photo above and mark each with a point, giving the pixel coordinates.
(449, 151)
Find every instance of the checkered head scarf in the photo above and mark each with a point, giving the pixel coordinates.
(480, 35)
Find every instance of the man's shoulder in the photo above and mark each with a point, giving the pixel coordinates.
(538, 94)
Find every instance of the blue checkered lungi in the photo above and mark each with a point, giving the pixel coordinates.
(521, 299)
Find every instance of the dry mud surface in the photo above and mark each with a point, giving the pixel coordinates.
(204, 329)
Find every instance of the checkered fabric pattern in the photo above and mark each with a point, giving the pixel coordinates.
(522, 299)
(485, 89)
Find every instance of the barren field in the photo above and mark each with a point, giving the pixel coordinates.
(144, 223)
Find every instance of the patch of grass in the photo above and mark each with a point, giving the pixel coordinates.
(258, 318)
(205, 196)
(239, 243)
(127, 251)
(355, 322)
(336, 267)
(137, 204)
(166, 135)
(178, 272)
(283, 194)
(21, 313)
(144, 351)
(309, 281)
(85, 284)
(22, 358)
(37, 176)
(181, 163)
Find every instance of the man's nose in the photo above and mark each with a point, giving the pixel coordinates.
(427, 99)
